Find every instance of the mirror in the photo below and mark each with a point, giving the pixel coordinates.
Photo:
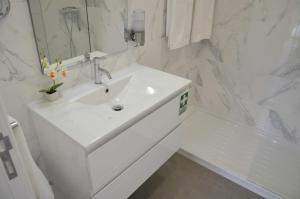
(60, 27)
(67, 29)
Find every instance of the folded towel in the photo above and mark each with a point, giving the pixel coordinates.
(179, 22)
(203, 16)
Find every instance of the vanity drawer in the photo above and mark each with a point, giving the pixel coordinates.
(114, 157)
(133, 177)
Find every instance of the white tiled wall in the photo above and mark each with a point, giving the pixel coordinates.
(248, 73)
(20, 76)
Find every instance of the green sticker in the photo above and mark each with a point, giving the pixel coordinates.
(183, 103)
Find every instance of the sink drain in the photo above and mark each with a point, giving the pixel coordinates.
(117, 107)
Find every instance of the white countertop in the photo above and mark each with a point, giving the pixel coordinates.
(93, 125)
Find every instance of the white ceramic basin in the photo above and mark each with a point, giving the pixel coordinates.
(85, 113)
(110, 92)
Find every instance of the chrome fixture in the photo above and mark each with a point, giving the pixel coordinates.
(137, 32)
(4, 8)
(71, 13)
(6, 158)
(98, 62)
(87, 57)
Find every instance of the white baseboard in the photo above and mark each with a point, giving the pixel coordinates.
(234, 178)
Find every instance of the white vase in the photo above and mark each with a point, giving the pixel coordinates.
(52, 97)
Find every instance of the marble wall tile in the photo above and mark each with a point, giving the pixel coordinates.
(107, 20)
(20, 76)
(18, 63)
(248, 72)
(250, 68)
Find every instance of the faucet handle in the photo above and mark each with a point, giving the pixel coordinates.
(98, 60)
(87, 56)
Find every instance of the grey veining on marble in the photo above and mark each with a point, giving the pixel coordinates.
(226, 86)
(9, 71)
(278, 123)
(236, 15)
(281, 90)
(241, 74)
(107, 21)
(289, 71)
(215, 50)
(251, 65)
(280, 17)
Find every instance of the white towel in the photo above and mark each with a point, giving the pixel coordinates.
(179, 22)
(39, 182)
(203, 16)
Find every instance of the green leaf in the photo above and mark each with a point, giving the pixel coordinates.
(54, 87)
(44, 91)
(57, 85)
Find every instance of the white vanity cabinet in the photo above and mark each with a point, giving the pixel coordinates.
(115, 167)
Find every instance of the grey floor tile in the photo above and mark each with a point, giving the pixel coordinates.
(181, 178)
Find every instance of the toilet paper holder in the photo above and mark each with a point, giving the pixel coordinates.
(6, 158)
(13, 124)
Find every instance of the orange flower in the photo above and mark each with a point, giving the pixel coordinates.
(53, 75)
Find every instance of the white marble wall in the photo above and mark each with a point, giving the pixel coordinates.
(19, 72)
(107, 20)
(249, 73)
(20, 76)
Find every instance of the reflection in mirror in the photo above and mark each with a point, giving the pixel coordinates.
(107, 23)
(60, 28)
(68, 29)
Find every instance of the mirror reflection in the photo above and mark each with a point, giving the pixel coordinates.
(66, 29)
(61, 28)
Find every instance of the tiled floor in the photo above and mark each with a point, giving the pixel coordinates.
(180, 178)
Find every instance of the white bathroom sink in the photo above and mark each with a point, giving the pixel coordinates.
(105, 136)
(110, 92)
(91, 116)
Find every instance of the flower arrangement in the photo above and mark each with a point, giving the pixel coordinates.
(53, 71)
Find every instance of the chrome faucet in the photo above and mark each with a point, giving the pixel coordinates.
(98, 62)
(87, 57)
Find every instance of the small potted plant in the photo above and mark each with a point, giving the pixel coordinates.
(54, 72)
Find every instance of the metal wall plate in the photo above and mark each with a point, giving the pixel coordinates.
(4, 8)
(5, 147)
